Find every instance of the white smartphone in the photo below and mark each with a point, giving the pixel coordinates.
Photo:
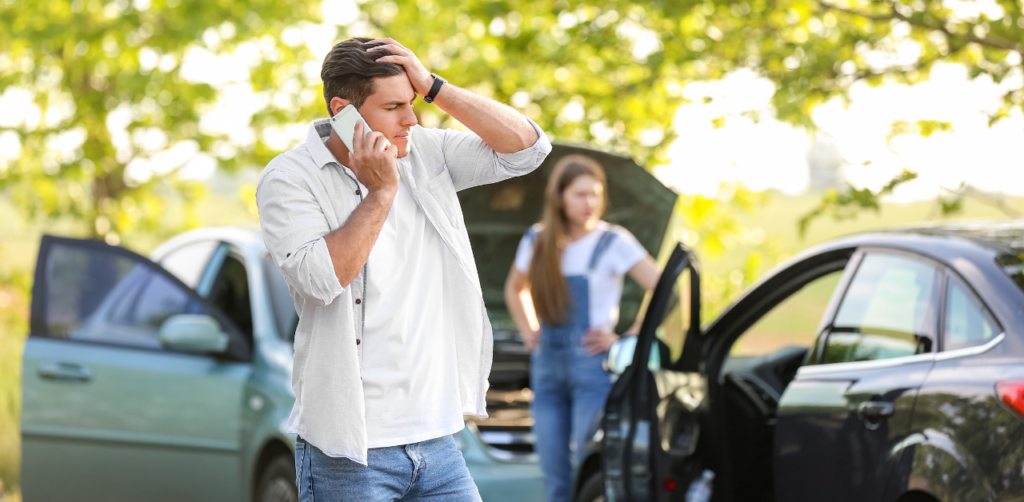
(344, 123)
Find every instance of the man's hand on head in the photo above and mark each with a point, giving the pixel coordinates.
(419, 77)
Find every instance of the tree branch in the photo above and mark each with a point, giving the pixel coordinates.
(988, 41)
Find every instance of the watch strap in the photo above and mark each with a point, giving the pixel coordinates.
(434, 89)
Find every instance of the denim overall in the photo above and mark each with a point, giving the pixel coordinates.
(569, 385)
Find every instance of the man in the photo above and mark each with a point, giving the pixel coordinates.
(393, 345)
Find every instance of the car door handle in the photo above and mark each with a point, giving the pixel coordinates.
(875, 409)
(65, 372)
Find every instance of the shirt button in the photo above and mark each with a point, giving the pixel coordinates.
(359, 192)
(357, 342)
(358, 301)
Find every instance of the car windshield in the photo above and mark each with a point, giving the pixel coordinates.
(285, 317)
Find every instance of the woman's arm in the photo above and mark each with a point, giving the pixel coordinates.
(646, 274)
(520, 307)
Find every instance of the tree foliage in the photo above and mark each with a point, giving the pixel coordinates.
(109, 75)
(107, 86)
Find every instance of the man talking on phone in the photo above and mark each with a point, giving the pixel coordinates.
(393, 345)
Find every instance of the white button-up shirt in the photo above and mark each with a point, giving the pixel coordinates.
(305, 194)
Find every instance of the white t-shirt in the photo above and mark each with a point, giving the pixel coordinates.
(606, 279)
(410, 377)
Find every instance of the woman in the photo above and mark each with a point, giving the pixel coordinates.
(568, 274)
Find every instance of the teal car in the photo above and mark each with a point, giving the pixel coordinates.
(169, 379)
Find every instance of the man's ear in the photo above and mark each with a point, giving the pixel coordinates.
(337, 104)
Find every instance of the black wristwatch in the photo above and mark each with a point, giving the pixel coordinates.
(438, 82)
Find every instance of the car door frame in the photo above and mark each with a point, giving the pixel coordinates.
(704, 353)
(630, 418)
(38, 307)
(734, 321)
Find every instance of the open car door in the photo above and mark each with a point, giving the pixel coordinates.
(133, 383)
(650, 420)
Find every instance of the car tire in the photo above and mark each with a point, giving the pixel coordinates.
(592, 489)
(277, 482)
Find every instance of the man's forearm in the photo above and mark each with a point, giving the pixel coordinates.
(501, 127)
(350, 245)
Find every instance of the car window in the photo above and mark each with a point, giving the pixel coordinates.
(230, 293)
(97, 296)
(887, 311)
(674, 326)
(967, 321)
(187, 262)
(281, 301)
(794, 322)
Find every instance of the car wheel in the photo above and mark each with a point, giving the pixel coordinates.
(277, 483)
(592, 489)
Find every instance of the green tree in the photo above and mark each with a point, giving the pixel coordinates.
(607, 73)
(108, 98)
(580, 67)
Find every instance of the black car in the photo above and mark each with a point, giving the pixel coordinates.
(880, 367)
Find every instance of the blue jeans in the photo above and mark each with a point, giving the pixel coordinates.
(431, 470)
(569, 388)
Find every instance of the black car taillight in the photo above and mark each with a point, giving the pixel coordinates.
(1011, 393)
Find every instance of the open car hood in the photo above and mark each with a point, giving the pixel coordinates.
(498, 215)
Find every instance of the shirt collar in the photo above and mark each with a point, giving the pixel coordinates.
(319, 130)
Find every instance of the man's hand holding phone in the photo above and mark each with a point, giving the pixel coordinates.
(372, 159)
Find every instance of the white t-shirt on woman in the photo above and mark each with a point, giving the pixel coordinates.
(608, 274)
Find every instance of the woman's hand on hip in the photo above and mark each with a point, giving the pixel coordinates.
(530, 338)
(598, 340)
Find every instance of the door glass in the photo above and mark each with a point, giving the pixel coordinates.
(967, 322)
(98, 296)
(281, 300)
(671, 332)
(187, 262)
(888, 311)
(792, 323)
(230, 293)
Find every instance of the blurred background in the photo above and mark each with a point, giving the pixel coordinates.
(780, 123)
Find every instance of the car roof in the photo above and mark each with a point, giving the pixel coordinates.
(1003, 236)
(248, 240)
(945, 242)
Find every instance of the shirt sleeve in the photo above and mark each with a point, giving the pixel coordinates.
(472, 163)
(625, 251)
(524, 253)
(293, 228)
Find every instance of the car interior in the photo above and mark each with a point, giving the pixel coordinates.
(762, 361)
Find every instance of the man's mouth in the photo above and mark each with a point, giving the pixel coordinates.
(402, 136)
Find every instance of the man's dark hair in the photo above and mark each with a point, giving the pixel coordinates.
(349, 71)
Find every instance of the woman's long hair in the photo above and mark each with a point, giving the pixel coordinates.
(548, 286)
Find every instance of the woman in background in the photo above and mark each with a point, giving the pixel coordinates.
(568, 274)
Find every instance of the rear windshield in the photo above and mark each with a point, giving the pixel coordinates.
(1013, 266)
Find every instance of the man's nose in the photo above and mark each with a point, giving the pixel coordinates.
(409, 118)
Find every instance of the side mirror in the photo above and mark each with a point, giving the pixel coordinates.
(620, 356)
(193, 333)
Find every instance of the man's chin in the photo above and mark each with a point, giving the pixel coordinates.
(404, 150)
